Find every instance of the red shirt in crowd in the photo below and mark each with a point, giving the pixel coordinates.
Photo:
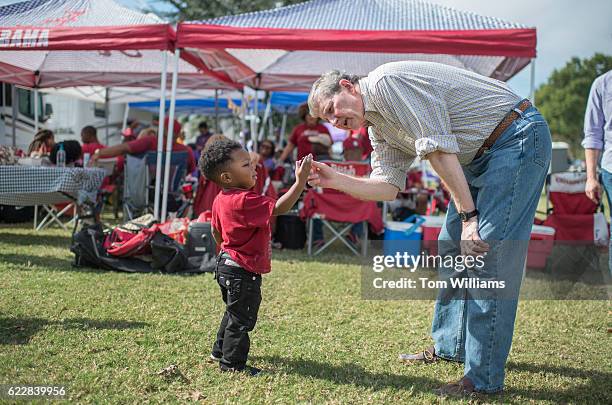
(149, 143)
(242, 217)
(299, 137)
(361, 135)
(91, 147)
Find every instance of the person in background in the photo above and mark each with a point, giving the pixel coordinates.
(203, 137)
(149, 131)
(361, 135)
(352, 149)
(145, 143)
(305, 134)
(42, 144)
(266, 150)
(131, 131)
(89, 139)
(598, 138)
(320, 149)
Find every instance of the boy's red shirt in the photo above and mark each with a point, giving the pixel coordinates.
(242, 217)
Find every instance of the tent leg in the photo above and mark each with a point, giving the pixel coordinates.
(532, 82)
(254, 123)
(106, 112)
(126, 114)
(15, 104)
(36, 117)
(243, 111)
(216, 111)
(281, 135)
(170, 136)
(160, 133)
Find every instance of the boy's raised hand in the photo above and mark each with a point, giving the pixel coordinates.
(302, 169)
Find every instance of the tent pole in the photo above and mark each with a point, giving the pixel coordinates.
(3, 113)
(254, 124)
(281, 134)
(106, 112)
(160, 132)
(216, 111)
(170, 136)
(126, 114)
(243, 110)
(15, 105)
(36, 118)
(532, 83)
(265, 117)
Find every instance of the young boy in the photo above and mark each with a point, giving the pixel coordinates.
(241, 226)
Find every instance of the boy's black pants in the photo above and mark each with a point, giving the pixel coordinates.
(241, 292)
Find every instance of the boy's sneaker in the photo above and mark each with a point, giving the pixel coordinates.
(214, 358)
(248, 370)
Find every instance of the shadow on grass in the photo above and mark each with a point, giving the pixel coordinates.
(352, 374)
(29, 262)
(597, 389)
(19, 331)
(20, 239)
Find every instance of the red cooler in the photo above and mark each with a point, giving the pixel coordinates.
(431, 229)
(540, 246)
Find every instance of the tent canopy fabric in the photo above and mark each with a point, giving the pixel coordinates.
(79, 25)
(99, 43)
(98, 94)
(281, 101)
(287, 48)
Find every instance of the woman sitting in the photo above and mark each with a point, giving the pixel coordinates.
(42, 144)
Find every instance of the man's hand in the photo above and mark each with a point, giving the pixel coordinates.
(302, 170)
(94, 158)
(593, 190)
(471, 244)
(322, 175)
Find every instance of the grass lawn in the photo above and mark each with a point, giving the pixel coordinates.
(106, 335)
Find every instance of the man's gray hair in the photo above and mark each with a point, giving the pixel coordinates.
(325, 87)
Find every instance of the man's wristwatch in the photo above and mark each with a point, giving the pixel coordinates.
(466, 216)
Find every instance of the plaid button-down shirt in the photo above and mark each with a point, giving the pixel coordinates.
(415, 108)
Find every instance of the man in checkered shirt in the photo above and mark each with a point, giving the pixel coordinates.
(492, 151)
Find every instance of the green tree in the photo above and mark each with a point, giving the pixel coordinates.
(187, 10)
(562, 99)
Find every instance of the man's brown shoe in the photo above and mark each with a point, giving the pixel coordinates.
(426, 356)
(463, 388)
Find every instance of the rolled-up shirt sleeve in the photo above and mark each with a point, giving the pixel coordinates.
(417, 107)
(594, 119)
(389, 164)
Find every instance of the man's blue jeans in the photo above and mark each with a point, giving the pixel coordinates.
(606, 182)
(506, 183)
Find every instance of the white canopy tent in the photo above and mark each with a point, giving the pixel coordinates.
(64, 43)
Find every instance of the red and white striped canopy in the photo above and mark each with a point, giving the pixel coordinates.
(66, 43)
(287, 48)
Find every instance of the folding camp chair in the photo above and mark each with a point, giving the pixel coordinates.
(54, 214)
(573, 215)
(178, 170)
(134, 187)
(339, 211)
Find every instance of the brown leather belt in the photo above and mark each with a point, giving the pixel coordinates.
(501, 127)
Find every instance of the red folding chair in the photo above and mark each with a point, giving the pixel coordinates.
(573, 215)
(339, 211)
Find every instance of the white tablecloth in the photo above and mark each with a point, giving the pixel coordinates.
(33, 185)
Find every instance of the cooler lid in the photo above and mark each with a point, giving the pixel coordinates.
(542, 230)
(434, 221)
(400, 226)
